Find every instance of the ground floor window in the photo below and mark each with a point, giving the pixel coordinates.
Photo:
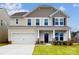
(59, 36)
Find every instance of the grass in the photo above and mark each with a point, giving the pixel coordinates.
(3, 44)
(56, 50)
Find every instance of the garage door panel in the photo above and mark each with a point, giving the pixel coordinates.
(26, 38)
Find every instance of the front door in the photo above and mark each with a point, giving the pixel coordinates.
(46, 37)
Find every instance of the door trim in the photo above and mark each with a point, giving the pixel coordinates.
(47, 38)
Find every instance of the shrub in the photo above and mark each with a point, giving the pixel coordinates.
(70, 42)
(54, 43)
(38, 41)
(41, 42)
(64, 42)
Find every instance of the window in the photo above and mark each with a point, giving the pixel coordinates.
(37, 22)
(59, 36)
(1, 22)
(46, 22)
(29, 21)
(16, 21)
(56, 36)
(56, 22)
(61, 21)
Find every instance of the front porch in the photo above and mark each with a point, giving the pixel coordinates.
(51, 36)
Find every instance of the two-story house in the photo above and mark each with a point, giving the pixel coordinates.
(46, 23)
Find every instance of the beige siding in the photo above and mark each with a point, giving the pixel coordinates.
(24, 21)
(21, 22)
(60, 14)
(33, 20)
(20, 30)
(4, 28)
(51, 35)
(42, 35)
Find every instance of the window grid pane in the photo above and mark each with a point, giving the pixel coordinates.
(37, 21)
(29, 21)
(61, 21)
(56, 21)
(16, 21)
(59, 36)
(46, 22)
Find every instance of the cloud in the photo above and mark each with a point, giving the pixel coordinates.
(13, 7)
(75, 5)
(62, 8)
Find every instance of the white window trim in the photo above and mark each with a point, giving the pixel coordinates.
(59, 21)
(48, 22)
(60, 36)
(17, 20)
(39, 22)
(28, 22)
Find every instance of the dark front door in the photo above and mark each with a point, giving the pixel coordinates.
(46, 36)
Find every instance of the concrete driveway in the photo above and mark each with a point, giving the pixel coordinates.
(18, 49)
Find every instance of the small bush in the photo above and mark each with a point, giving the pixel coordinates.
(54, 42)
(38, 41)
(70, 42)
(41, 42)
(64, 42)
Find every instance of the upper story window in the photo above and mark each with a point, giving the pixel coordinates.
(16, 21)
(29, 22)
(58, 21)
(46, 22)
(61, 21)
(1, 22)
(37, 22)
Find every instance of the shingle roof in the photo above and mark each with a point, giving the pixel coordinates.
(42, 11)
(20, 14)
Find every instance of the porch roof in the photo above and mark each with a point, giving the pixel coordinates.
(43, 27)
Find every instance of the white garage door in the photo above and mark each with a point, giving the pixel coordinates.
(25, 38)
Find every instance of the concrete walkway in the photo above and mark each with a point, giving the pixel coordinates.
(17, 49)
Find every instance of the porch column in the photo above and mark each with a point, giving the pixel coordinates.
(69, 32)
(53, 34)
(38, 34)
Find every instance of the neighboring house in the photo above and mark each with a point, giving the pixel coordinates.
(77, 38)
(45, 23)
(4, 17)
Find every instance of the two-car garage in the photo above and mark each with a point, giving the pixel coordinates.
(22, 36)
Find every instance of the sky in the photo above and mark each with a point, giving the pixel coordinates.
(71, 9)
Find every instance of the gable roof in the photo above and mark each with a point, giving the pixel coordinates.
(18, 14)
(41, 11)
(45, 11)
(59, 12)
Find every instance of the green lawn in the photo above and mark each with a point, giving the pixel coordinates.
(56, 50)
(3, 44)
